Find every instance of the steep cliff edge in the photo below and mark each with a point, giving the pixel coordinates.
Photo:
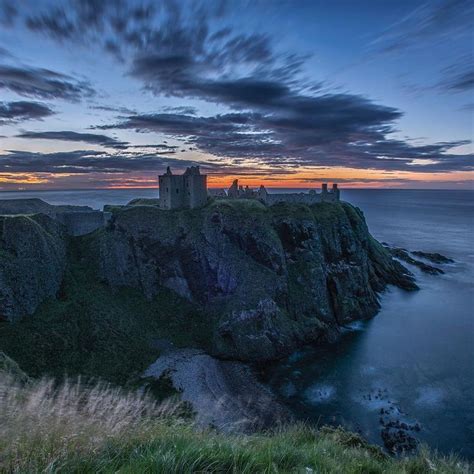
(32, 263)
(235, 278)
(271, 278)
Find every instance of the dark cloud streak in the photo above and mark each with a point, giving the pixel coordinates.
(19, 111)
(87, 161)
(43, 83)
(91, 138)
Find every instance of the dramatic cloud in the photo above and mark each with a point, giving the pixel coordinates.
(96, 139)
(290, 142)
(43, 83)
(13, 112)
(87, 161)
(166, 39)
(76, 137)
(270, 116)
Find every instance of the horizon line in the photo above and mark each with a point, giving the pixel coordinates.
(220, 187)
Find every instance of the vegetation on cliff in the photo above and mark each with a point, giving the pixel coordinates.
(234, 278)
(272, 278)
(94, 331)
(77, 429)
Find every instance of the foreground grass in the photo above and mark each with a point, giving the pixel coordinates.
(79, 429)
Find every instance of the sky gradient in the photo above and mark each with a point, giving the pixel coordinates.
(106, 94)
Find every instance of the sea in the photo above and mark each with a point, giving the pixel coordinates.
(415, 358)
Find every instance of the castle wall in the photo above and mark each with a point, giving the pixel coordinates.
(196, 190)
(188, 190)
(312, 197)
(172, 192)
(300, 198)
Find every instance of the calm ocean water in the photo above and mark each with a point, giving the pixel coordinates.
(419, 350)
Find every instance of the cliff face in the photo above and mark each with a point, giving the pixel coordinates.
(265, 279)
(273, 278)
(32, 263)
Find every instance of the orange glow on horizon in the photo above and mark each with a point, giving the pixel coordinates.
(303, 179)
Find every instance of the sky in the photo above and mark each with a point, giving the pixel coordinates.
(286, 93)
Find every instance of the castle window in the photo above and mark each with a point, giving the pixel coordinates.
(177, 191)
(167, 189)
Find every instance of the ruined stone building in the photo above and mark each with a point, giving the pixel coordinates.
(189, 190)
(180, 191)
(311, 197)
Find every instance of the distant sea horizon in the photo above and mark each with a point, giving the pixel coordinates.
(341, 185)
(98, 197)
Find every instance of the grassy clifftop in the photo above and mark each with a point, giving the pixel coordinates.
(75, 429)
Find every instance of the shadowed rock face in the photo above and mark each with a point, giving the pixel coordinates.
(268, 278)
(274, 277)
(32, 263)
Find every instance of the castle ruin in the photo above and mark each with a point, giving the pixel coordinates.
(189, 190)
(262, 195)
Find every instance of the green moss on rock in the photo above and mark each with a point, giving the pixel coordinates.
(236, 278)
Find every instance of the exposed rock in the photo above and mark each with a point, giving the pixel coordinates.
(256, 334)
(403, 254)
(397, 439)
(433, 257)
(32, 262)
(276, 277)
(225, 395)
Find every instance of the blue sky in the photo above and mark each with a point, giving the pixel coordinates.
(109, 93)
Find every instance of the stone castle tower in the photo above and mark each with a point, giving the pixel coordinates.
(188, 190)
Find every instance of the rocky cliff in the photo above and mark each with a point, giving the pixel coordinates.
(32, 262)
(264, 279)
(271, 278)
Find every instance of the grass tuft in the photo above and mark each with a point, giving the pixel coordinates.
(76, 428)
